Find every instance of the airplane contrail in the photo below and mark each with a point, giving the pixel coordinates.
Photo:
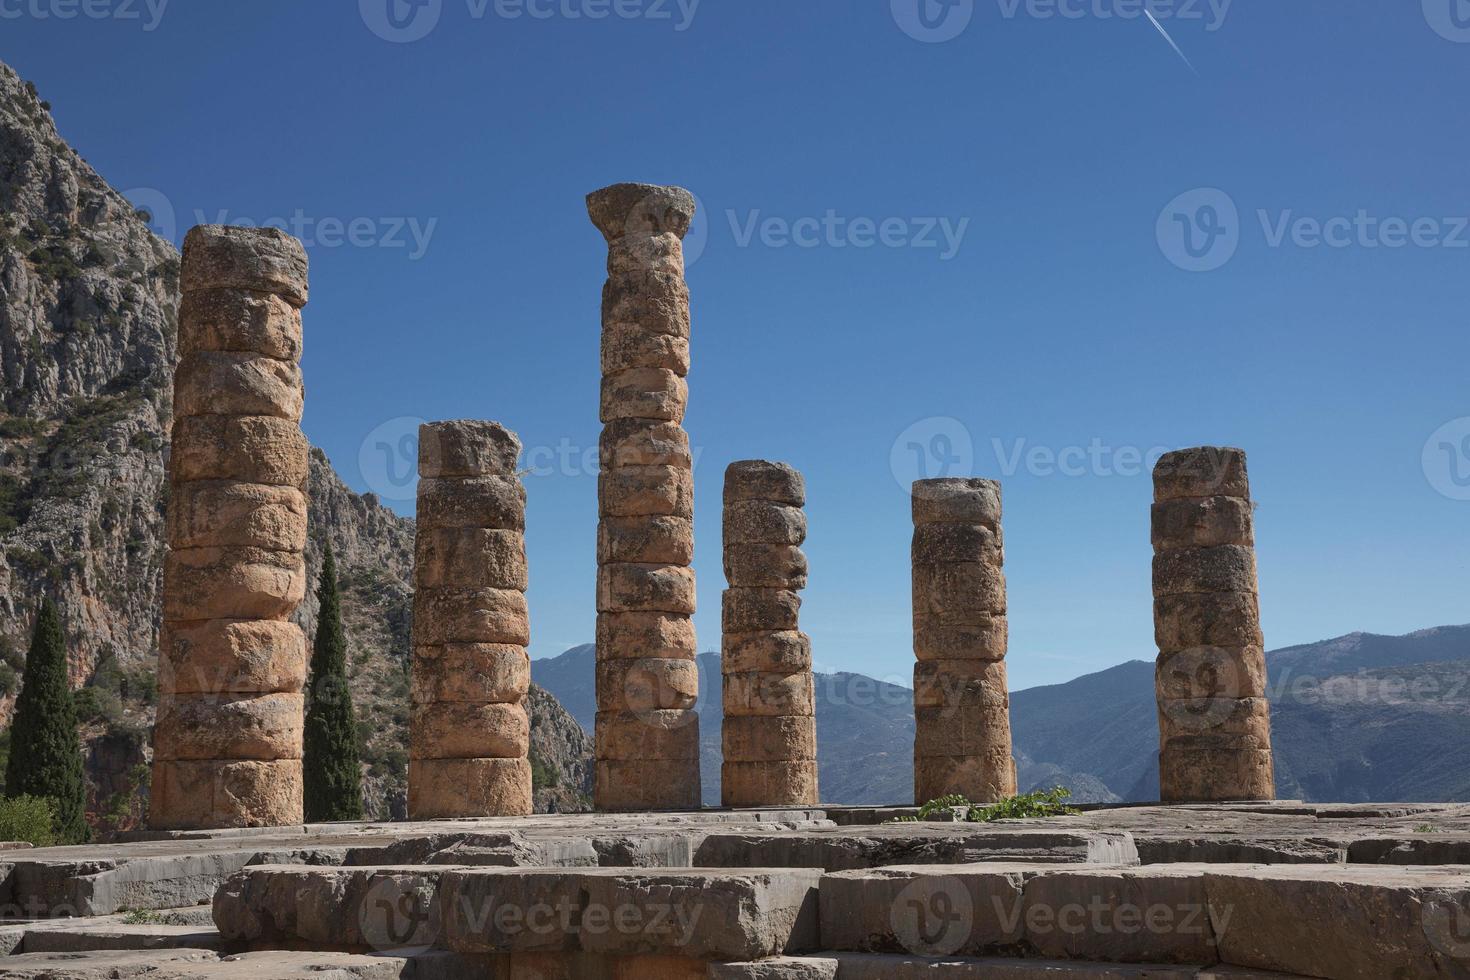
(1155, 21)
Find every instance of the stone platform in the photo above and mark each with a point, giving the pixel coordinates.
(841, 893)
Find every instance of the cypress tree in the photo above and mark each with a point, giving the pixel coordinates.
(45, 752)
(332, 776)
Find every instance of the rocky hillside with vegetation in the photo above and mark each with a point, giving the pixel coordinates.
(88, 327)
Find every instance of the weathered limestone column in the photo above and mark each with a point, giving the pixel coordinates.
(1214, 719)
(470, 734)
(227, 743)
(962, 718)
(647, 680)
(770, 726)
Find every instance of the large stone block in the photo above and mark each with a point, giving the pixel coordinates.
(229, 726)
(644, 393)
(783, 783)
(239, 320)
(923, 910)
(957, 500)
(482, 502)
(1203, 768)
(1215, 716)
(769, 739)
(233, 383)
(646, 634)
(648, 540)
(644, 442)
(1205, 471)
(646, 491)
(968, 594)
(754, 610)
(647, 684)
(952, 683)
(194, 795)
(763, 522)
(641, 210)
(635, 254)
(963, 729)
(769, 694)
(1157, 914)
(760, 479)
(783, 652)
(467, 448)
(657, 302)
(628, 587)
(442, 616)
(233, 257)
(232, 583)
(224, 656)
(465, 730)
(1202, 522)
(984, 639)
(986, 778)
(247, 448)
(472, 672)
(624, 785)
(765, 566)
(1220, 619)
(470, 557)
(223, 513)
(634, 736)
(468, 788)
(625, 347)
(936, 544)
(1211, 672)
(1223, 568)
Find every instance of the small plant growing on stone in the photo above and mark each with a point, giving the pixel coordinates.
(1042, 803)
(142, 917)
(1425, 828)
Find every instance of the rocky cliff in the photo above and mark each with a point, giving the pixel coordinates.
(88, 319)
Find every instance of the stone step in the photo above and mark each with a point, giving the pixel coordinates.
(704, 914)
(1364, 921)
(876, 966)
(845, 848)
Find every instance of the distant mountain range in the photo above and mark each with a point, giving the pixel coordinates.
(1360, 717)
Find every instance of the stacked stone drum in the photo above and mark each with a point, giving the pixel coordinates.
(770, 725)
(962, 723)
(228, 741)
(1214, 719)
(647, 732)
(469, 729)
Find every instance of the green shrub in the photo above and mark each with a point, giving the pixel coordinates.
(27, 818)
(1042, 803)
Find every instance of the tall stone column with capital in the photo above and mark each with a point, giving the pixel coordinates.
(227, 745)
(647, 732)
(469, 734)
(770, 725)
(1210, 679)
(962, 720)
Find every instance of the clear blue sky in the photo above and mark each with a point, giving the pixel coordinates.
(1062, 318)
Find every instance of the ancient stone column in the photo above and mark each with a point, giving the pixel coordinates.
(770, 726)
(962, 718)
(1214, 719)
(647, 680)
(227, 743)
(469, 734)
